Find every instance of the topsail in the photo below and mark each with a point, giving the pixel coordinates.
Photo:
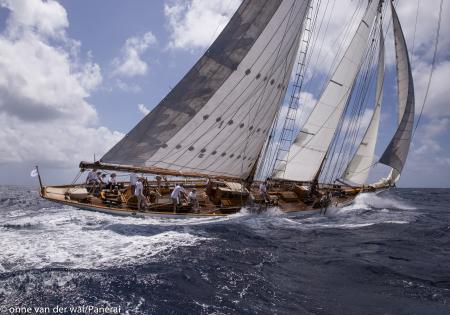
(216, 119)
(397, 150)
(358, 169)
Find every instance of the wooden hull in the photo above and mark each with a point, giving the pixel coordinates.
(291, 206)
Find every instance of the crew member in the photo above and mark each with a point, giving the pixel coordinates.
(133, 181)
(103, 181)
(193, 200)
(263, 192)
(139, 193)
(112, 182)
(176, 196)
(158, 182)
(92, 177)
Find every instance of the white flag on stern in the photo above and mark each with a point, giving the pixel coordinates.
(34, 173)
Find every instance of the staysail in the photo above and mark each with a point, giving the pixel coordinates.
(358, 169)
(310, 147)
(216, 119)
(397, 151)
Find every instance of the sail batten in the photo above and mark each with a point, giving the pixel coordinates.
(397, 151)
(311, 145)
(217, 118)
(358, 169)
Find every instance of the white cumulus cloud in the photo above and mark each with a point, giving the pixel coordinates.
(130, 62)
(143, 109)
(196, 23)
(44, 88)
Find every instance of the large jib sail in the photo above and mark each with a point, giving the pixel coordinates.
(309, 149)
(359, 167)
(216, 119)
(397, 151)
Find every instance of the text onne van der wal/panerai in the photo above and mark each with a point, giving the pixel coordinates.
(82, 309)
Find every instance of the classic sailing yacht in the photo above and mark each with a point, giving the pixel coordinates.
(214, 130)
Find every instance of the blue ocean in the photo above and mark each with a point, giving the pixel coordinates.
(385, 254)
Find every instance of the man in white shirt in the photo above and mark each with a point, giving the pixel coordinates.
(92, 177)
(263, 191)
(193, 200)
(133, 181)
(112, 182)
(175, 195)
(139, 193)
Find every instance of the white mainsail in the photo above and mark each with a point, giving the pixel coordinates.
(358, 169)
(397, 151)
(310, 147)
(216, 119)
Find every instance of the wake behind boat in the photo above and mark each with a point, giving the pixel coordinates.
(212, 145)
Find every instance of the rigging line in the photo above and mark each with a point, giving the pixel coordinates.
(433, 64)
(269, 74)
(214, 35)
(415, 27)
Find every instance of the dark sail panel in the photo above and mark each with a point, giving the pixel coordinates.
(197, 87)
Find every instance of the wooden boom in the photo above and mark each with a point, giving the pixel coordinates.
(151, 170)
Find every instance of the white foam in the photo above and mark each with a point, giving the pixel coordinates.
(367, 210)
(367, 201)
(78, 239)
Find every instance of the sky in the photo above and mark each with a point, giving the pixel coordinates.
(76, 75)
